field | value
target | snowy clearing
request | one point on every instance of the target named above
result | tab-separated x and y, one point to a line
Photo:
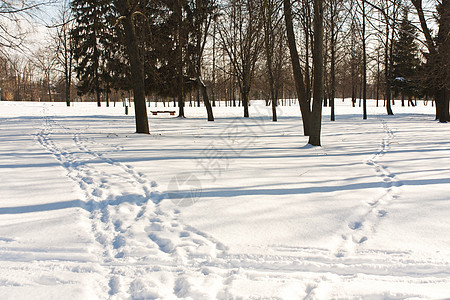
231	209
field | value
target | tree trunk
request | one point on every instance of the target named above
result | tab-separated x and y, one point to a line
387	73
244	95
67	76
97	83
49	89
333	60
442	105
180	94
137	76
298	76
364	62
316	117
307	68
208	106
274	110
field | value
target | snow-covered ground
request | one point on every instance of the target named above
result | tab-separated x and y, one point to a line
231	209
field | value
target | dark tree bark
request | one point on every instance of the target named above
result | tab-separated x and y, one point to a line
333	37
387	74
316	116
137	66
208	106
179	64
213	93
307	29
203	19
298	76
270	22
364	60
64	48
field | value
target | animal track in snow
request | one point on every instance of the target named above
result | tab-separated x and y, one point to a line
366	224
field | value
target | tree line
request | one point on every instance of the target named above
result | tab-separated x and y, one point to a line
238	50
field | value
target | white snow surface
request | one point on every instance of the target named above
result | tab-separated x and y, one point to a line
232	209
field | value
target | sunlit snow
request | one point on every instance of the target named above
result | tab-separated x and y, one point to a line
232	209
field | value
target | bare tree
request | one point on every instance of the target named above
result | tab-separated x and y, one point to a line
335	21
364	64
274	49
16	21
297	71
203	14
242	40
45	60
64	47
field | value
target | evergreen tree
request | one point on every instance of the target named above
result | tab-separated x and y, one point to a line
92	38
405	59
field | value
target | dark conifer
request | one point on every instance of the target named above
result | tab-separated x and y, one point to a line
91	36
405	59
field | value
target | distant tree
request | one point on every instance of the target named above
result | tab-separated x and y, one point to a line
64	47
13	16
241	38
273	46
364	60
303	100
45	60
335	23
203	13
405	59
91	36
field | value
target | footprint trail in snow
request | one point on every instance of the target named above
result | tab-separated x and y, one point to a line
145	251
364	225
133	231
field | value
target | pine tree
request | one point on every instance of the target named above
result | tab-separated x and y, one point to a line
405	59
92	37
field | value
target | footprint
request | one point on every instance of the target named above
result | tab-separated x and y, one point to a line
382	213
164	245
341	253
373	203
114	285
359	241
355	225
97	192
118	225
118	242
88	180
184	234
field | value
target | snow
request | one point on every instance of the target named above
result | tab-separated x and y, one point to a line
232	209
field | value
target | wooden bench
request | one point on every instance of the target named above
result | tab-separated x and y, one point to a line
156	112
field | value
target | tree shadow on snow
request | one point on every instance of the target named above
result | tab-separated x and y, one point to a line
89	206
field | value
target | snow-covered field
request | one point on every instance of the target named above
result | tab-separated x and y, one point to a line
231	209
